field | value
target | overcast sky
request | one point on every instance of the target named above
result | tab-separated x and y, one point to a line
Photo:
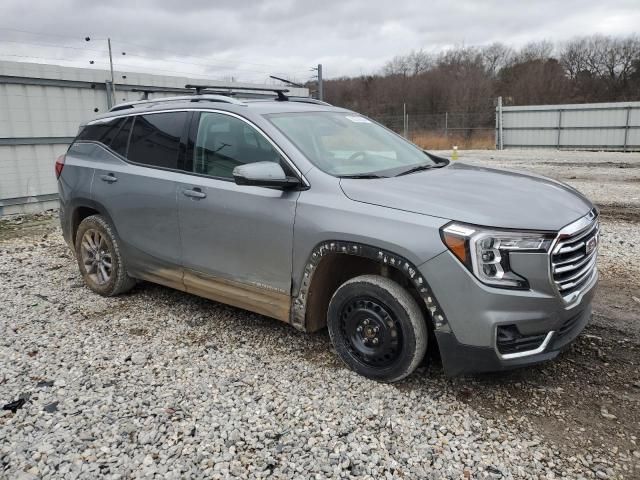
250	40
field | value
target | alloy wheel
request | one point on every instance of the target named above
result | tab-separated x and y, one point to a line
96	257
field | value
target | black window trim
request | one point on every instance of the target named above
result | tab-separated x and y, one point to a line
195	114
126	147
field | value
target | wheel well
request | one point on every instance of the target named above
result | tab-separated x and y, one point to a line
79	215
336	268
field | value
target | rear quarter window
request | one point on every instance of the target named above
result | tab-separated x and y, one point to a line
103	131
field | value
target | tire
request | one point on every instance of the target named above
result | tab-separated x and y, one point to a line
97	247
377	328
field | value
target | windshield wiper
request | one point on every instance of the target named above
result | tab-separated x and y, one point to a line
420	168
362	175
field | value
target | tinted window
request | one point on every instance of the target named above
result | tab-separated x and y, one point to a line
103	132
120	140
155	139
224	142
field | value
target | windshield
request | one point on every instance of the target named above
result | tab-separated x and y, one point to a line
346	144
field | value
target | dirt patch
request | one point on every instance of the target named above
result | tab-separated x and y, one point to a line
590	164
28	225
588	398
626	213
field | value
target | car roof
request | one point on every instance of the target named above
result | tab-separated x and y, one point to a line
219	102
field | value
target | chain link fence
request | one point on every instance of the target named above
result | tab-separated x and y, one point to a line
441	131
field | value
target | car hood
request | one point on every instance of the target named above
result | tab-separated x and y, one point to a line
478	195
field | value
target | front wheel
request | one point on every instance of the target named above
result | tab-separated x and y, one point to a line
377	328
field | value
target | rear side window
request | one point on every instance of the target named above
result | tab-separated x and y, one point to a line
155	139
121	139
103	131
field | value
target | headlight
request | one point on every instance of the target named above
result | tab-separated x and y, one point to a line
485	252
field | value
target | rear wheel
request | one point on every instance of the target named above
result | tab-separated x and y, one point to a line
377	328
99	258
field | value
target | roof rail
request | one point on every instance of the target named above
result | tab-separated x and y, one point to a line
308	100
184	98
280	92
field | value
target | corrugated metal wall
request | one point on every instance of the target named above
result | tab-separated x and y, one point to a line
41	107
589	126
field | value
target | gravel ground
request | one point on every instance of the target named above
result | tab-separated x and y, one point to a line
161	383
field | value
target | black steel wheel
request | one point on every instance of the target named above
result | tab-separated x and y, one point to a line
377	328
371	333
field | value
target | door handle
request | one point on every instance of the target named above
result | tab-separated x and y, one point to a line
110	178
194	193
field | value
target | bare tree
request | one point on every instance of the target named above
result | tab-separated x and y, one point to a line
573	56
419	62
542	50
398	65
467	78
415	63
496	56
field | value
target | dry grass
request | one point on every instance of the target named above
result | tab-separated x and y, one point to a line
437	140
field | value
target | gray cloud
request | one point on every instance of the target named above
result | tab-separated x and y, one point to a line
249	40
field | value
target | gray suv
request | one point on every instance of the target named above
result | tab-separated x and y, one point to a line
320	217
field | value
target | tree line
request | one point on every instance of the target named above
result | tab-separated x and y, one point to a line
469	78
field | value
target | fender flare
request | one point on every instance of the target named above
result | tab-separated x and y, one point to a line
81	202
384	258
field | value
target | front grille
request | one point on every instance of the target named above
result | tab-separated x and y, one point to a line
573	258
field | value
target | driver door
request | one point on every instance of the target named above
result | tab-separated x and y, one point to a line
237	241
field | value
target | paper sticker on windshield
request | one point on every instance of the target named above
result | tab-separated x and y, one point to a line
356	119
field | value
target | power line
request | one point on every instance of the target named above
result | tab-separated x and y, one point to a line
103	52
173	52
60	59
52	45
45	34
153	49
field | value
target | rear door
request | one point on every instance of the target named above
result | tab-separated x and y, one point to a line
237	240
135	182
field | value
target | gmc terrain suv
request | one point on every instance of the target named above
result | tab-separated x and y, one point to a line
318	216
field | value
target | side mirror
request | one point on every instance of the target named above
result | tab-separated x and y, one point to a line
263	174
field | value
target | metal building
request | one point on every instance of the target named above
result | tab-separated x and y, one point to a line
41	107
587	126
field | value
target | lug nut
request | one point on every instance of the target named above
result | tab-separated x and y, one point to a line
375	341
359	329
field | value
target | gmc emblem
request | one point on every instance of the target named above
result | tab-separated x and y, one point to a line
591	244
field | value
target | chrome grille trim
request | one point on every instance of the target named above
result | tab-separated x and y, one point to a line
573	269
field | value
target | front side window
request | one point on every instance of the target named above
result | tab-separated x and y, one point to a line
347	144
223	142
155	139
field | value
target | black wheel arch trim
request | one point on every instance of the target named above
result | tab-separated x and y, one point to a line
82	202
380	255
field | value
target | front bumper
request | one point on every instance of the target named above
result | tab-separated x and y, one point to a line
458	358
472	337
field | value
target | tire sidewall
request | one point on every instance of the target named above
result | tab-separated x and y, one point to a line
398	308
96	223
